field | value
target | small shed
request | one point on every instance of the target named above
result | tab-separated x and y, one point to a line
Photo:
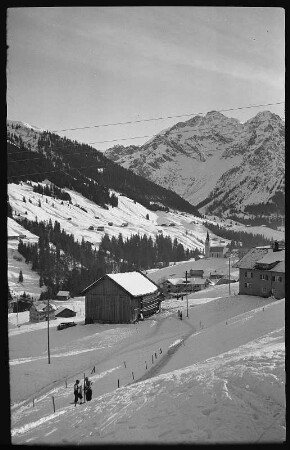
121	298
63	295
65	312
197	273
38	312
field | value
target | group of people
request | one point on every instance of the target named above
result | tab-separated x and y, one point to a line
180	314
79	391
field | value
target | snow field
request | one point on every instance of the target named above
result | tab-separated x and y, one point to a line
226	381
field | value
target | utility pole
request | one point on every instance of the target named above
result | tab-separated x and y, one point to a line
186	294
48	349
229	275
17	308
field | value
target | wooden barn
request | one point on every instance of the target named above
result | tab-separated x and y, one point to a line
65	312
121	298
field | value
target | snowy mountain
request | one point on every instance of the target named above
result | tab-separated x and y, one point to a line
216	162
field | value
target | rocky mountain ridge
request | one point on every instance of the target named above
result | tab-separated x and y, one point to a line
216	162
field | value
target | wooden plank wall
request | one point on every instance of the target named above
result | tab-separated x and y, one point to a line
106	302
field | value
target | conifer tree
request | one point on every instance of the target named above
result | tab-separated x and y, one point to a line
20	278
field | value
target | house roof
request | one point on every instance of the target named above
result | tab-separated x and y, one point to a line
63	293
135	283
175	281
272	257
280	267
261	256
191	280
41	306
63	308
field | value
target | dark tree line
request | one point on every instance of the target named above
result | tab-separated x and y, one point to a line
83	168
52	191
65	264
248	240
141	252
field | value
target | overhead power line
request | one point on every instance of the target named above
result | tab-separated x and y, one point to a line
197	129
164	117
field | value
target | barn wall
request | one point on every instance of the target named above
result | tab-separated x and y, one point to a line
107	302
150	304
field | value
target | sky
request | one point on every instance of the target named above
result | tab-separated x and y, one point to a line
73	67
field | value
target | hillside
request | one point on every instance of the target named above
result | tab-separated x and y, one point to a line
35	155
225	383
216	162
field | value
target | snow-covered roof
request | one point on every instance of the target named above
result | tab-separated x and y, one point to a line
134	282
41	306
280	267
272	257
175	281
63	293
261	256
250	259
63	308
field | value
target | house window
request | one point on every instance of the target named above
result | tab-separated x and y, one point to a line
249	274
248	285
264	277
264	290
276	278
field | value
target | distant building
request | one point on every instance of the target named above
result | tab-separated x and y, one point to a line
65	312
213	251
38	312
63	295
197	273
262	272
121	298
179	285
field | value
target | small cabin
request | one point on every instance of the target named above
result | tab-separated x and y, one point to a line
63	295
121	298
196	273
38	311
65	312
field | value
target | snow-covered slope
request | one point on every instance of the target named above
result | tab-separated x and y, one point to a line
216	158
75	220
225	383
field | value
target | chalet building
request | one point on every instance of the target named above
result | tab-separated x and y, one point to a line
65	312
121	298
179	285
213	251
196	273
63	295
262	272
38	312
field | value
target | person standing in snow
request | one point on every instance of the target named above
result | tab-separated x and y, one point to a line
88	389
76	391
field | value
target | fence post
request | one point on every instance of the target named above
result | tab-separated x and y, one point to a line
155	355
118	382
66	383
53	404
152	359
125	364
133	375
33	402
146	364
